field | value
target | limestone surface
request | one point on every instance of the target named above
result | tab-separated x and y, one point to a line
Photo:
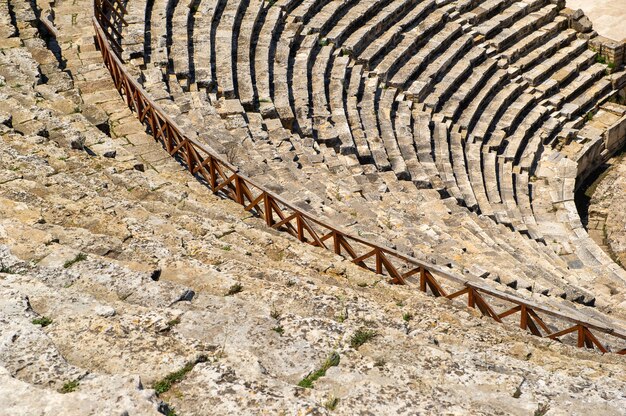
607	16
126	288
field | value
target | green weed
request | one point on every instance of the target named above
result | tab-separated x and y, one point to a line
361	336
70	263
69	387
331	361
168	381
43	321
331	403
234	289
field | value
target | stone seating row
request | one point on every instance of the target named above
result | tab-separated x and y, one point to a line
301	192
357	112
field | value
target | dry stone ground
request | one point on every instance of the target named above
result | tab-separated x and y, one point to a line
139	271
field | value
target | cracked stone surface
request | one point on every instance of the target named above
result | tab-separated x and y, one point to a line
132	270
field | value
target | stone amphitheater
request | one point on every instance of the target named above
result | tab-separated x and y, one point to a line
451	139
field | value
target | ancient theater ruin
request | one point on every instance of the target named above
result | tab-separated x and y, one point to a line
286	207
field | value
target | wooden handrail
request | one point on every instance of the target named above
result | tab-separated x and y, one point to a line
221	177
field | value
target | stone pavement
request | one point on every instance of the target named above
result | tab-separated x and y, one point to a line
608	16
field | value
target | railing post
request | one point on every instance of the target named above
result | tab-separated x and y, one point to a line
188	156
337	242
581	336
300	227
238	189
212	174
165	134
269	220
379	261
524	318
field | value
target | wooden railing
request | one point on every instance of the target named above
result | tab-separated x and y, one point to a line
226	180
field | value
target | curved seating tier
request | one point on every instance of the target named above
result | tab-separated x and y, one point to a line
418	122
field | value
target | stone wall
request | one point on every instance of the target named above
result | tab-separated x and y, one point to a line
601	148
615	136
607	219
612	51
